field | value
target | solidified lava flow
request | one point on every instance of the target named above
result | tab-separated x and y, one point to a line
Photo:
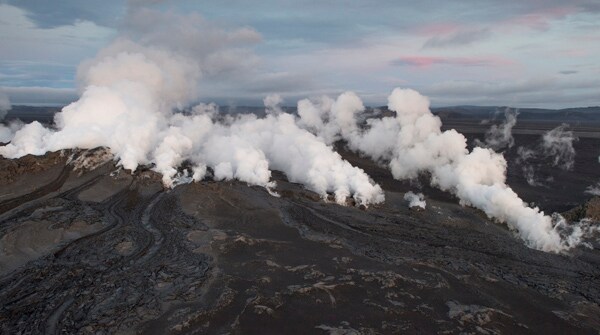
91	248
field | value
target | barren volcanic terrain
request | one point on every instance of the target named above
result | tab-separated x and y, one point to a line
89	248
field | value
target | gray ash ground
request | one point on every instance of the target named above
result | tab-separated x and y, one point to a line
102	251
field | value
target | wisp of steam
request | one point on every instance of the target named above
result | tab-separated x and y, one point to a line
500	136
555	148
132	88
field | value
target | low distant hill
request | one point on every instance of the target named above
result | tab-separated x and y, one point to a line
577	114
29	114
573	115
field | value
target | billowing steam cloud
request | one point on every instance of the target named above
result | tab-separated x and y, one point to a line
500	136
415	200
412	143
132	87
130	91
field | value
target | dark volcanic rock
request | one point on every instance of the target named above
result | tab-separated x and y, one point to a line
10	169
589	210
105	251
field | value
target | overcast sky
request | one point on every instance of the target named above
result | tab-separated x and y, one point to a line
528	53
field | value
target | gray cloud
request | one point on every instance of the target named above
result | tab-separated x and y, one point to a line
459	38
291	28
538	92
50	14
450	88
426	61
19	73
280	82
221	53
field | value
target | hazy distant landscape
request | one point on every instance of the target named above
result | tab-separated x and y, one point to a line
574	116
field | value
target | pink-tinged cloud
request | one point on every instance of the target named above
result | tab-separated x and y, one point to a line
574	53
438	29
429	61
541	19
459	38
449	34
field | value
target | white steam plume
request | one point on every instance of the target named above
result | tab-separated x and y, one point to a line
273	103
500	136
5	134
412	143
132	87
130	90
415	200
593	189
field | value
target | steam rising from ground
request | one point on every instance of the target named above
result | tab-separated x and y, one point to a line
415	200
593	189
500	136
524	158
558	145
412	143
131	89
555	148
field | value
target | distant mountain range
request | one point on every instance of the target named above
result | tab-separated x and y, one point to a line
538	114
577	114
29	114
